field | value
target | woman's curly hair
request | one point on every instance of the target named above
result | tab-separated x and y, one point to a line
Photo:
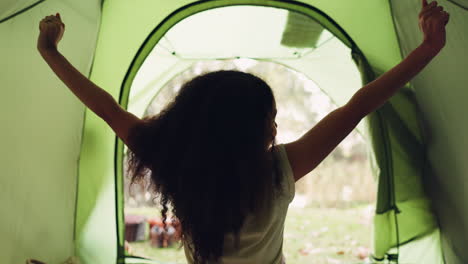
208	159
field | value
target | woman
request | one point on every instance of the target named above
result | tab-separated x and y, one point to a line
211	153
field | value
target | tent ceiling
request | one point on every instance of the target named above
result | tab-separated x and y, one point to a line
258	34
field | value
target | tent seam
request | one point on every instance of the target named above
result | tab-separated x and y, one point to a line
21	11
82	137
458	5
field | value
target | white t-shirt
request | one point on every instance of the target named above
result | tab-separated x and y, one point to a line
261	237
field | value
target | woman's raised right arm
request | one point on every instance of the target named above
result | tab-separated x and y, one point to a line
307	152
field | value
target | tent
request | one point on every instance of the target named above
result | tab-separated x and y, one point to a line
61	181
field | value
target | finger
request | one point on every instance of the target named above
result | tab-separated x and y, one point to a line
440	18
60	19
432	12
431	4
436	11
447	18
424	3
48	18
428	8
444	15
52	17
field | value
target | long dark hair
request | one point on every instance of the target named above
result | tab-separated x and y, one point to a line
208	157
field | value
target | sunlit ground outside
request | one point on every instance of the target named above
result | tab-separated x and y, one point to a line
329	221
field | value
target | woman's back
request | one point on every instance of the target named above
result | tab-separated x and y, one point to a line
261	237
210	156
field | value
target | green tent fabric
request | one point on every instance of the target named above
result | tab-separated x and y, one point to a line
42	127
61	183
441	93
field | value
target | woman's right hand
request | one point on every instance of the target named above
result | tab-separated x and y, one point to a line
432	22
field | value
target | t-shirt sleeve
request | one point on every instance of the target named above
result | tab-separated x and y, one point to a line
288	182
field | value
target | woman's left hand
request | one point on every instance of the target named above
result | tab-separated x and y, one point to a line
51	32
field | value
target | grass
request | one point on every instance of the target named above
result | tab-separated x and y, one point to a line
326	235
312	235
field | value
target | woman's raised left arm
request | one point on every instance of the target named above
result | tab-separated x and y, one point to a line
95	98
